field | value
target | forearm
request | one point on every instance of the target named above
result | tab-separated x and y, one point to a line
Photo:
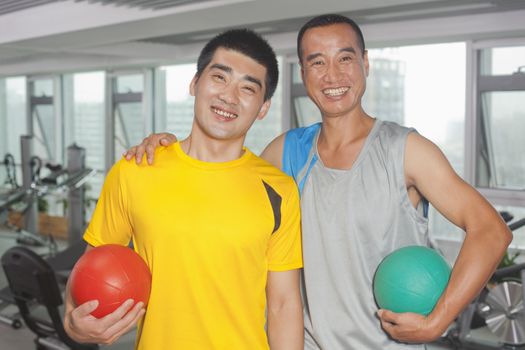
478	258
285	326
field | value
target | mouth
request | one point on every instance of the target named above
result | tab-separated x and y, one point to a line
224	114
336	92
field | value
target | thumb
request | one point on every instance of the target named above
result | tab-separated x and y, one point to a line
387	316
168	140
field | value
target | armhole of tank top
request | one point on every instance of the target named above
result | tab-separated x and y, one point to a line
405	199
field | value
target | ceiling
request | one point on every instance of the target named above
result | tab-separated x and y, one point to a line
41	36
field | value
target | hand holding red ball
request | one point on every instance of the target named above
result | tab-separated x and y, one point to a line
110	274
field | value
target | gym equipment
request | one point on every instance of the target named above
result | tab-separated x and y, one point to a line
61	263
110	274
411	279
496	318
10	169
71	180
25	199
33	281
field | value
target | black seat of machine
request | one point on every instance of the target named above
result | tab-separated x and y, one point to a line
32	280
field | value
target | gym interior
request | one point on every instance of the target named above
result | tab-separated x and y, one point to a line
81	81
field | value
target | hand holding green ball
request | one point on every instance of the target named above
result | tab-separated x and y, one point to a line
411	279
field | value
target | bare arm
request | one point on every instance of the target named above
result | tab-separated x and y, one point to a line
273	153
285	312
85	328
486	240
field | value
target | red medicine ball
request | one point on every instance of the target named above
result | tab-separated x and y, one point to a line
110	274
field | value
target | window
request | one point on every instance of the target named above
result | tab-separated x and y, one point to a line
85	123
45	121
13	121
176	102
131	112
264	131
422	87
501	119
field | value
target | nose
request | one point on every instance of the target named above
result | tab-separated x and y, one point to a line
332	73
229	95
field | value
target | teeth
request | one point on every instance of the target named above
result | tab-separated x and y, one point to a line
224	113
336	92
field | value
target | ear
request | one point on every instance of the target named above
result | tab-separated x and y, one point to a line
302	71
192	85
366	63
264	109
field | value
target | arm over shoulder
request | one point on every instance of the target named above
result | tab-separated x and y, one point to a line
273	153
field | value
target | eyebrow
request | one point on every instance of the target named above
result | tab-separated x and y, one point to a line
230	70
317	54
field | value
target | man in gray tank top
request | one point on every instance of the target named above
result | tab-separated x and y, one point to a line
361	181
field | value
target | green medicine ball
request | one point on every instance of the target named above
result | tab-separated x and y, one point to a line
411	279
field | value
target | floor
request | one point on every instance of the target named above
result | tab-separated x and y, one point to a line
15	339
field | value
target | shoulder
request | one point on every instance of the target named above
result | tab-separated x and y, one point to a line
271	175
288	144
303	134
124	169
394	131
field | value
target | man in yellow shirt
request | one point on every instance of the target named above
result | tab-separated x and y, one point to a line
218	226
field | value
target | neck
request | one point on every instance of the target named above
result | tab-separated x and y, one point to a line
212	150
341	130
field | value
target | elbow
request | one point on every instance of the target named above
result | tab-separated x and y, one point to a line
503	239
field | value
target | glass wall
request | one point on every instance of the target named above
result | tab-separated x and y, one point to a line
84	99
177	101
128	112
421	86
44	119
13	120
501	119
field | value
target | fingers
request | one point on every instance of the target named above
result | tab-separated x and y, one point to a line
127	322
139	153
168	139
150	151
387	316
83	327
130	153
85	309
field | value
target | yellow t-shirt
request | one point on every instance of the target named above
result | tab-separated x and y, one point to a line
209	232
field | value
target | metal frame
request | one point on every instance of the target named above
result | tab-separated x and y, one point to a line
477	84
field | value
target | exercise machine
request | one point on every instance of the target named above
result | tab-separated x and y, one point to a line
25	197
33	281
70	179
496	318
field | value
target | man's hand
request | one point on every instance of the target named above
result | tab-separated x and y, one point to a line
408	327
148	145
85	328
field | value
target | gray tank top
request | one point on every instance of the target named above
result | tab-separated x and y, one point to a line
351	219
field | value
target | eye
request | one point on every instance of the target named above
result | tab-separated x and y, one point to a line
316	63
218	77
346	58
249	90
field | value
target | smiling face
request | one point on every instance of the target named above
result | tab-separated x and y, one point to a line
229	96
334	69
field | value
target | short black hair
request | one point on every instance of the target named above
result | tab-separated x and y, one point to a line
327	20
248	43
